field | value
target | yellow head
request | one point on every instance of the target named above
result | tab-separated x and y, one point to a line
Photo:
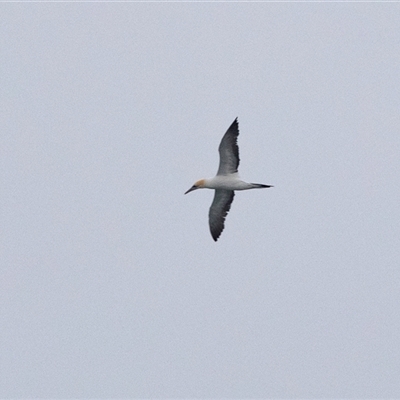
198	185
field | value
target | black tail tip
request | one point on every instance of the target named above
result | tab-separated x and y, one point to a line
261	186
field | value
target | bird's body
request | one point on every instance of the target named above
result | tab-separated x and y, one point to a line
226	181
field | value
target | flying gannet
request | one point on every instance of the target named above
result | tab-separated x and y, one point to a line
225	182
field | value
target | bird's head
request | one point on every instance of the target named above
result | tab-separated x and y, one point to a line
198	185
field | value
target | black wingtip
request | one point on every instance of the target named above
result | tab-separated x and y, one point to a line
214	236
234	123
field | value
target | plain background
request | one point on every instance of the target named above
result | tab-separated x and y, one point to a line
111	285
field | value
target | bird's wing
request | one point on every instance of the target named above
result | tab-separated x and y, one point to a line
218	211
229	151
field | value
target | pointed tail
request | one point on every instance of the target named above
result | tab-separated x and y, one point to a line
260	186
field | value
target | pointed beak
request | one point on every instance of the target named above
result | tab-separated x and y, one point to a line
191	189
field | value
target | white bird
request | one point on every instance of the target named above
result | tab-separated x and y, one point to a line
225	182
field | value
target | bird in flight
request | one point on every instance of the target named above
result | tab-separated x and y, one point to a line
225	182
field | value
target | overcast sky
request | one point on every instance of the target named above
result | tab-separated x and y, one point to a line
111	285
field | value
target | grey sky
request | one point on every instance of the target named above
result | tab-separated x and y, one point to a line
111	285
